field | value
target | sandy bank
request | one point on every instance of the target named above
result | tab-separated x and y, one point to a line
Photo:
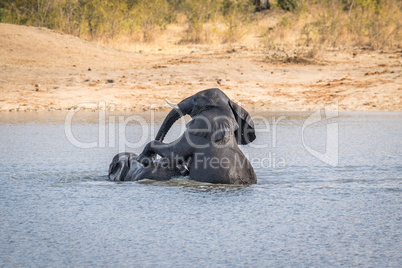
46	70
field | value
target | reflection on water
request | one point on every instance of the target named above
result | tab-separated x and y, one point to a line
58	209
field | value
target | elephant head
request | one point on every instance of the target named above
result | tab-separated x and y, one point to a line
214	116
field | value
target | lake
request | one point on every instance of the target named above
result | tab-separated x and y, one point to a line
329	193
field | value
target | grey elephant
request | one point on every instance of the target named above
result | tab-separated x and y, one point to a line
207	151
125	167
209	146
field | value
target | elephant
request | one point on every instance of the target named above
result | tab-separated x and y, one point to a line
209	148
125	167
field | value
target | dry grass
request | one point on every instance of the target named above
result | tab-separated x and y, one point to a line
161	26
284	36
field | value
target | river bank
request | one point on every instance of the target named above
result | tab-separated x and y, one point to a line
46	70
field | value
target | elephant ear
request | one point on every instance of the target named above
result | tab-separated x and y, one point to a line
224	128
216	130
245	133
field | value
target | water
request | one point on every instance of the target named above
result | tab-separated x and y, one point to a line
58	209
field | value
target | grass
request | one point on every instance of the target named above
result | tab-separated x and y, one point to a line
295	35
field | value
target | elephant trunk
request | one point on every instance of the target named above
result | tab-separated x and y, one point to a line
170	119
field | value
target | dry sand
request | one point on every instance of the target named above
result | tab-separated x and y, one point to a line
43	69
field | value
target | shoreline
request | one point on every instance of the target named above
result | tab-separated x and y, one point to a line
105	117
167	109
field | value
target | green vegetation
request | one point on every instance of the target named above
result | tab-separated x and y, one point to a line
289	4
302	23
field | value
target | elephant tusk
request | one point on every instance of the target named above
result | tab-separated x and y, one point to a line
173	105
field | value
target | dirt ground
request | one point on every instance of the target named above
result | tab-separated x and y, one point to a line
41	69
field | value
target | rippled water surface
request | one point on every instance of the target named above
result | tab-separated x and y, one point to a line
58	209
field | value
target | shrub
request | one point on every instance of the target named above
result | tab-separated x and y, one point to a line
235	14
289	4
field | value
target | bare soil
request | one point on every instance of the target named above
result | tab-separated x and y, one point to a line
41	69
